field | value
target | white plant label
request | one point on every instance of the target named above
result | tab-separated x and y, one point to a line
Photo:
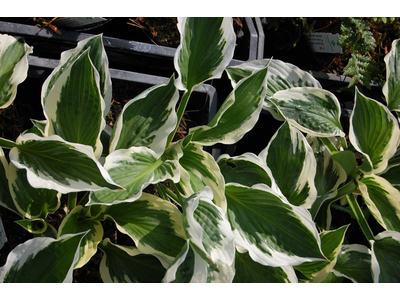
3	238
324	42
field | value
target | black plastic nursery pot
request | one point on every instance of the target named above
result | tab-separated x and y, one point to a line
127	50
131	55
137	61
122	54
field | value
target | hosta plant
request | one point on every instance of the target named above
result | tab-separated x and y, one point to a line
262	217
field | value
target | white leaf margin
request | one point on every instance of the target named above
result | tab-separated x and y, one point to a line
393	196
159	143
278	259
391	61
43	181
25	251
375	269
309	170
259	161
66	55
231	103
201	271
350	248
20	69
228	35
391	147
287	96
225	253
53	98
217	186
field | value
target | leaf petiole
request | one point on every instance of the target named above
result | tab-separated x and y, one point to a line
360	216
181	110
72	197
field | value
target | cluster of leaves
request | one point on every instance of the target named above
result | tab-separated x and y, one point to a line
247	218
360	67
356	38
384	19
364	42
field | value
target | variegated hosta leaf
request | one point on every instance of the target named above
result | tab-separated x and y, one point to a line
346	159
391	173
49	232
275	232
126	264
74	105
207	227
246	169
99	59
311	110
206	48
39	227
182	269
43	260
134	169
331	242
323	216
382	200
35	226
329	176
248	271
53	163
94	212
35	130
40	125
280	76
5	196
391	87
292	164
202	171
154	224
374	132
4	143
354	263
76	222
332	278
190	266
31	202
147	119
385	257
14	66
237	115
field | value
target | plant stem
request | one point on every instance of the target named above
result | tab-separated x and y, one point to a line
343	191
161	190
360	217
172	195
181	110
84	199
72	197
348	188
328	144
177	195
7	144
166	192
343	142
